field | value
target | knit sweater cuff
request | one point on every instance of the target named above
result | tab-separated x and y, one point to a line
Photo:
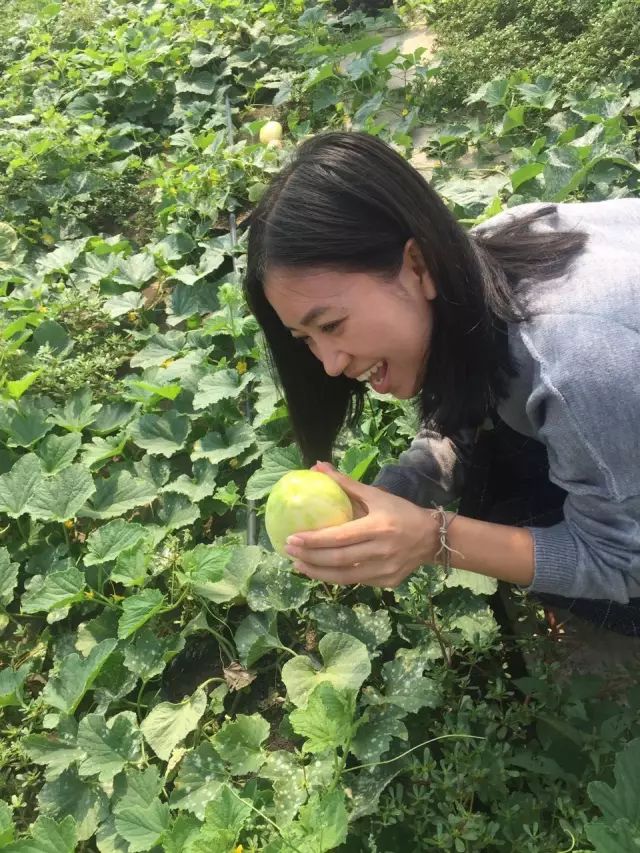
556	560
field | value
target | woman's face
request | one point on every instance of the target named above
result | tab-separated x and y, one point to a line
353	321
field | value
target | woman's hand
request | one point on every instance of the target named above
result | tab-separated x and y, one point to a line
387	540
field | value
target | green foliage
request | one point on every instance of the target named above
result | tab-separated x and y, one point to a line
164	682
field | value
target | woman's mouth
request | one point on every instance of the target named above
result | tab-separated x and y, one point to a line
377	376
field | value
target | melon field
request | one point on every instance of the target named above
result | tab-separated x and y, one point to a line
167	681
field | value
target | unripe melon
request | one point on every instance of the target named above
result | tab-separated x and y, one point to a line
304	500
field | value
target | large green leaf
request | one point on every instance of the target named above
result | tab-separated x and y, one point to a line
61	496
257	635
58	451
53	591
75	675
164	434
239	743
70	795
327	721
19	485
107	746
224	816
274	586
48	836
202	772
8	243
138	609
215	447
117	494
223	385
345	665
8	577
275	464
111	539
168	723
148	654
372	628
77	413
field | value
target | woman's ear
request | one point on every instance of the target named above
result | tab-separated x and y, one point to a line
414	260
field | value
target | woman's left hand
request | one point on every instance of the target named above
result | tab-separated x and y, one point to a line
389	538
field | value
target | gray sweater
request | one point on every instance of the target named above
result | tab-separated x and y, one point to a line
578	392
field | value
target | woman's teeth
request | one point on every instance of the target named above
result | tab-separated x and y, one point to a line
364	377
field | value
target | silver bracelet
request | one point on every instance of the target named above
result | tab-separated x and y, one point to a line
444	545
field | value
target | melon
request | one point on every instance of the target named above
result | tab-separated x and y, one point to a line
304	500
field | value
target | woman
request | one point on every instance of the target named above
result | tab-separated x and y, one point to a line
521	339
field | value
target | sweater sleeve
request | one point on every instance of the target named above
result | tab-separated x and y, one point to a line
585	407
431	470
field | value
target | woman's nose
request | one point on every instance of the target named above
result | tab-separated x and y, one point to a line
334	361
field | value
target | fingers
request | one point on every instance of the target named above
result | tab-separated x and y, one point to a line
354	575
330	557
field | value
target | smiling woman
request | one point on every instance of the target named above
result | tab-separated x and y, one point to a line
529	323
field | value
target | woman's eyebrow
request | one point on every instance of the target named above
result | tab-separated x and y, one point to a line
311	315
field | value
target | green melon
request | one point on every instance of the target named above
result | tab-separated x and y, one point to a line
304	500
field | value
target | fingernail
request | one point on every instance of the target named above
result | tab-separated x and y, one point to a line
296	541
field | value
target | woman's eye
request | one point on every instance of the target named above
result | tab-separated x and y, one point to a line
330	327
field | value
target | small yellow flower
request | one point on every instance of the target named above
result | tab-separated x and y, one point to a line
405	112
42	309
239	849
48	240
167	362
241	367
234	463
89	593
69	523
173	191
132	316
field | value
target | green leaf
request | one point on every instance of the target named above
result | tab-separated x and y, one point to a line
11	684
57	750
525	173
58	451
143	827
327	720
223	385
75	675
6	824
256	635
215	447
148	655
321	825
201	486
60	497
239	743
375	733
8	577
53	591
27	425
357	460
225	816
132	566
405	685
237	569
158	349
372	628
18	387
108	746
168	723
111	539
620	802
175	511
111	417
19	485
102	449
346	666
288	778
136	270
275	463
78	413
477	583
48	836
199	778
8	244
275	586
138	609
118	494
164	434
68	795
122	303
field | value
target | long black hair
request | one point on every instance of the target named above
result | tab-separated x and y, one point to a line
348	202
